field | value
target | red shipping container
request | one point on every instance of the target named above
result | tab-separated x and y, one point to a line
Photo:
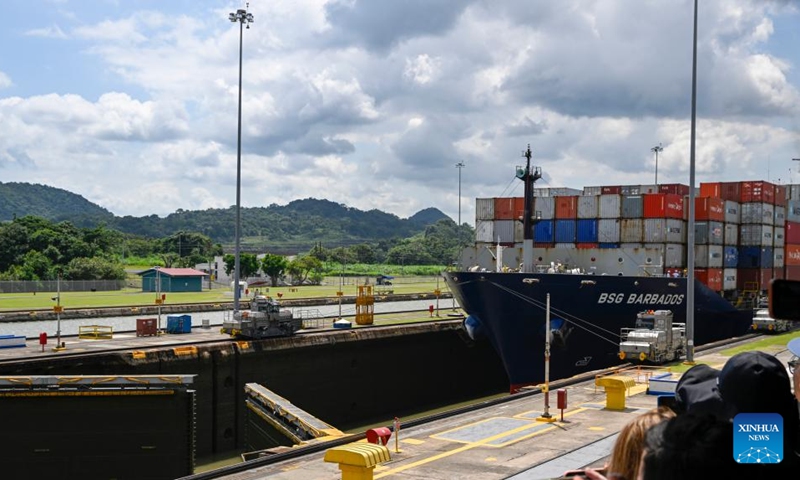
663	205
712	277
713	190
567	207
747	279
777	273
707	208
792	233
674	188
615	190
587	245
730	191
780	195
792	272
791	255
504	208
519	207
757	192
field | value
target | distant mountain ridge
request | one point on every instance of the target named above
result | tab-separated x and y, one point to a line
296	226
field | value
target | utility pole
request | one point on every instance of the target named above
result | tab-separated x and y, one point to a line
459	166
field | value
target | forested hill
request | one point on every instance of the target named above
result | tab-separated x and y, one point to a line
293	227
21	199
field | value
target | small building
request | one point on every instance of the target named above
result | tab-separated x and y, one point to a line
172	280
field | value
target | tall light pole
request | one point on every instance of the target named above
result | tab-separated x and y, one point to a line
459	166
655	150
690	228
243	18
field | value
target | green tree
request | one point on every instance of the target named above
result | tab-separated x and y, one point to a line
301	269
274	266
94	269
248	263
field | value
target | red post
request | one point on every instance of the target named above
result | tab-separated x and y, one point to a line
43	339
430	309
562	400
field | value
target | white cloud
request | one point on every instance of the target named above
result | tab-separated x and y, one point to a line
373	107
5	80
53	31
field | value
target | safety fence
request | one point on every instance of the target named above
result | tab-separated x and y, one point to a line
10	286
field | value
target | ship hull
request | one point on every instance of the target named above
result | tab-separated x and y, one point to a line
587	314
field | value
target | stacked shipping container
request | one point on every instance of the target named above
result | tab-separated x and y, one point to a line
745	233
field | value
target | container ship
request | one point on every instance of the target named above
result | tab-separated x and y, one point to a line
606	253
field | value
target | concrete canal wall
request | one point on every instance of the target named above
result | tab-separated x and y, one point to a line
346	378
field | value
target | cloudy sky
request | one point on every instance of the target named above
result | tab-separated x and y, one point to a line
133	104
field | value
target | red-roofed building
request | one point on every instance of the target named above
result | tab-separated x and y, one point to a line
172	280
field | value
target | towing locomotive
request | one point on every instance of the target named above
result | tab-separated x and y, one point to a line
265	319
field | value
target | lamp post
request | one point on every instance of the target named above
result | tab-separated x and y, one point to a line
243	18
690	229
159	300
58	309
459	166
655	150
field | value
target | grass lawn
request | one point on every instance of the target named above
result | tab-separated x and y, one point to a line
135	297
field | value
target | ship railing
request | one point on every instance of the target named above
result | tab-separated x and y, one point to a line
640	374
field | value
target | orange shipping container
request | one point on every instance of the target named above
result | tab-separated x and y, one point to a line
663	205
504	208
707	208
567	207
519	207
711	190
791	255
712	277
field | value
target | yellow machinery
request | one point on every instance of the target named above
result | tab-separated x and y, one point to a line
365	305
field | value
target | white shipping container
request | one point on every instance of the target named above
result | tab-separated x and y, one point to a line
592	190
519	232
610	206
732	212
779	236
755	235
556	192
708	256
664	230
588	206
484	209
780	216
674	255
631	230
758	213
544	207
729	279
731	235
608	230
631	245
778	261
564	245
648	189
793	211
504	231
484	231
793	192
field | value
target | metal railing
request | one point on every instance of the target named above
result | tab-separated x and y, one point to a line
32	286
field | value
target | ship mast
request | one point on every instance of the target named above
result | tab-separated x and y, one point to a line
528	176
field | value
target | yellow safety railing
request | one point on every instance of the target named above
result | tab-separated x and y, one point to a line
95	332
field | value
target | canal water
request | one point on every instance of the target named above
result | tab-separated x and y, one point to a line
69	327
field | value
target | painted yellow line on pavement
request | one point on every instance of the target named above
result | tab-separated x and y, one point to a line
459	450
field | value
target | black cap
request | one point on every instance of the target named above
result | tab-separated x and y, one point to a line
755	382
696	391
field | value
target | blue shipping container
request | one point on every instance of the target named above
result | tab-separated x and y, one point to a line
608	245
565	231
755	257
587	231
179	324
543	231
730	257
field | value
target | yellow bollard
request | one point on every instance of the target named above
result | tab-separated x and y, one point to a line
616	386
357	461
